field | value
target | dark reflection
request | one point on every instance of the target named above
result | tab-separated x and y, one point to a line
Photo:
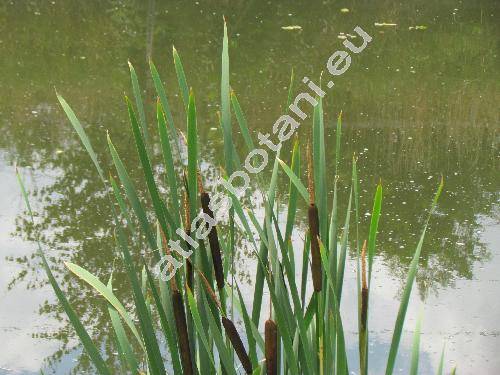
417	104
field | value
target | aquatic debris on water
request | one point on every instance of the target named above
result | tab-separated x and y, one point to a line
418	27
291	27
385	24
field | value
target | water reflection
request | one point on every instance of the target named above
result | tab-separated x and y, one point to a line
418	104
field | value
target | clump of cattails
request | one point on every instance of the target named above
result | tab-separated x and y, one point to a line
271	346
213	238
313	215
364	289
180	321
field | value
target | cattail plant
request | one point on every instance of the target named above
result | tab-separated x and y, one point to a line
313	216
311	336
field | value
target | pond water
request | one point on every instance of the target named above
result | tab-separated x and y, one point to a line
420	102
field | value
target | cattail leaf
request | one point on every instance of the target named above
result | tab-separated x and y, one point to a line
136	90
343	250
82	135
225	104
132	196
165	323
415	351
398	327
295	180
330	345
377	207
263	250
82	333
162	95
244	220
181	78
192	141
169	164
284	330
332	235
250	332
282	321
195	313
277	275
105	292
224	355
441	362
125	348
121	203
297	311
339	330
153	352
338	137
160	209
305	268
292	191
242	122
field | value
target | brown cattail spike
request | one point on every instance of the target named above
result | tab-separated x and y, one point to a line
316	270
364	289
200	182
166	249
213	240
271	347
187	215
238	346
182	332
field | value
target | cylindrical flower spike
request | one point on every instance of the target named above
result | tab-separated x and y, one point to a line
213	240
182	331
235	339
271	347
316	271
